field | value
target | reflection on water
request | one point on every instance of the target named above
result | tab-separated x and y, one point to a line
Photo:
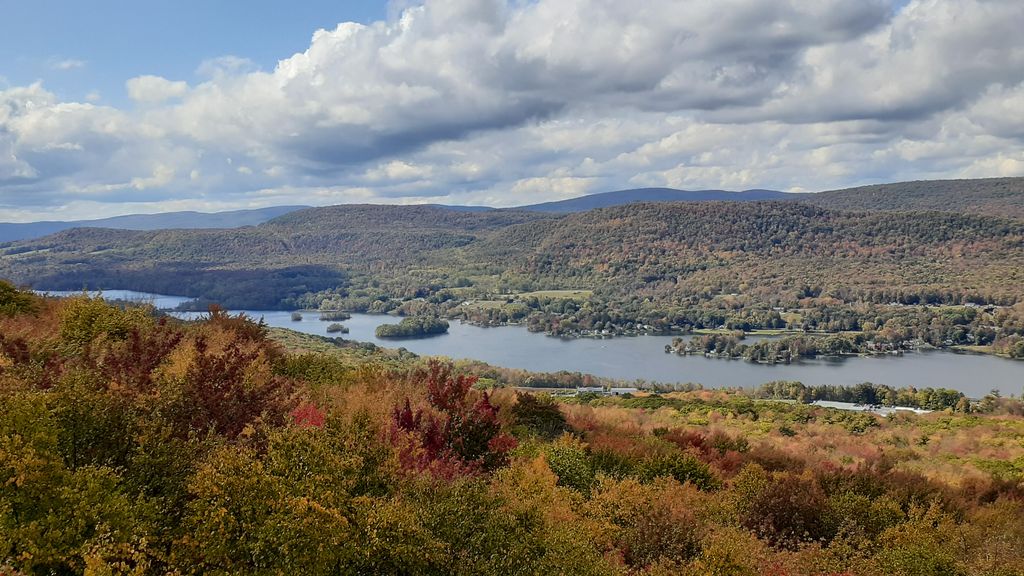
643	357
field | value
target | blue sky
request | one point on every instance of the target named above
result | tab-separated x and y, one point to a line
115	107
78	48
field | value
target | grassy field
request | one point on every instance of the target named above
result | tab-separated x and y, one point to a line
981	350
484	304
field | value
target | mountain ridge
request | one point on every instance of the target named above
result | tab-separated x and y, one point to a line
667	252
634	195
186	220
1001	197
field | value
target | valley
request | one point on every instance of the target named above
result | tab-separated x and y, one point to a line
897	280
512	288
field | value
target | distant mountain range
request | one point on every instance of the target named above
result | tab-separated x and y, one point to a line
10	232
620	197
1002	197
165	221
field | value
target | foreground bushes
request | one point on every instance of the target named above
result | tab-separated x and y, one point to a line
134	445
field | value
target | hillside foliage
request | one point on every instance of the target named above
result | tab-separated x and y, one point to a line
130	443
770	252
1002	197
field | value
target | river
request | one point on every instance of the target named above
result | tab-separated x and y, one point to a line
643	357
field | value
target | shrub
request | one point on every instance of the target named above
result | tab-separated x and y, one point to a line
14	301
52	515
538	414
457	433
664	531
682	467
289	511
783	508
240	325
95	428
83	318
568	459
128	365
226	393
858	518
930	544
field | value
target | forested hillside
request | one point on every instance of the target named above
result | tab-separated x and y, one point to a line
133	444
305	251
771	251
1003	197
658	266
621	197
665	251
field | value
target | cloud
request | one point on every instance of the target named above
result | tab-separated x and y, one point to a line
934	56
506	102
67	64
154	89
398	171
447	69
222	66
161	176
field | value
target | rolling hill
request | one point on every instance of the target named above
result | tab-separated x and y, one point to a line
167	220
664	252
770	251
1003	197
306	250
621	197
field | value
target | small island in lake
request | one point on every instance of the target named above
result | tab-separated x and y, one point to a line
788	348
413	328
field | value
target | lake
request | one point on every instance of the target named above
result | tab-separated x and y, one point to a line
643	357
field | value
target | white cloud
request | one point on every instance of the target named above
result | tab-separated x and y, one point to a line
546	188
218	68
507	102
67	64
396	171
162	176
154	89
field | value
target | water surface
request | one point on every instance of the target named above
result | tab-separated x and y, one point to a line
643	357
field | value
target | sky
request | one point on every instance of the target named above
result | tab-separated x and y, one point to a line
113	107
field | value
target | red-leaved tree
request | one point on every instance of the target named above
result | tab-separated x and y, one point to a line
219	397
129	365
457	433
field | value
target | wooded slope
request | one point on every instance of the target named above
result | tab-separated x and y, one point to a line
663	251
1003	197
